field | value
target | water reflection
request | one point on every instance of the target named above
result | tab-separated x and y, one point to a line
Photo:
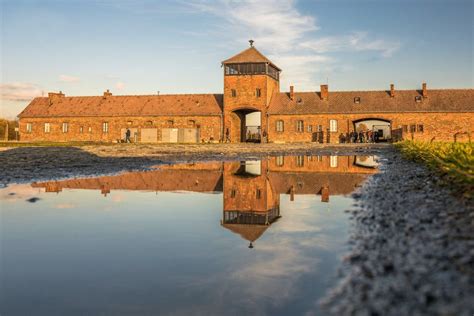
251	189
176	240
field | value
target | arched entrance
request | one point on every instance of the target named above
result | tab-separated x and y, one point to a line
246	126
381	128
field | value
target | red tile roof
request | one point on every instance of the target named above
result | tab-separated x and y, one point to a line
452	100
250	55
133	105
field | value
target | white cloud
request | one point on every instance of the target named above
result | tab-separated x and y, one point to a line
69	79
288	36
19	91
120	85
357	41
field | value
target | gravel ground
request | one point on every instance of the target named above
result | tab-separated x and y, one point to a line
27	164
412	247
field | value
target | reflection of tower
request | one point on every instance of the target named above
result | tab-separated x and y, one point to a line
250	202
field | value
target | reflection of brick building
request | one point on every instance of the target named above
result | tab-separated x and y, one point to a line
251	190
252	108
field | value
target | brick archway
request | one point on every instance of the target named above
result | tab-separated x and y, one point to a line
242	130
382	126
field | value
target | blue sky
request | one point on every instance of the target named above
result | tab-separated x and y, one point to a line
141	47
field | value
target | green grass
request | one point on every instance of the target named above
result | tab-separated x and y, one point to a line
453	161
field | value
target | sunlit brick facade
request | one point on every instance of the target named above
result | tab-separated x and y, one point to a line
252	109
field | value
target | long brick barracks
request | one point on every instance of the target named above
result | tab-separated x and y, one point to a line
252	109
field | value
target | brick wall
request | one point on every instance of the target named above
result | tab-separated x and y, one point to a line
440	126
245	87
92	128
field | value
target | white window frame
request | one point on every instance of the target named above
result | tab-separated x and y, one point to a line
280	126
280	161
333	161
300	161
47	127
29	127
300	129
105	127
65	127
333	125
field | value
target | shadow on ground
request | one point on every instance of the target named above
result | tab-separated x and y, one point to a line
27	164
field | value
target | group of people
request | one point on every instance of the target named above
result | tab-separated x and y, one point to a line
368	136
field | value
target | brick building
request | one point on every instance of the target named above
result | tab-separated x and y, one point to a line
252	108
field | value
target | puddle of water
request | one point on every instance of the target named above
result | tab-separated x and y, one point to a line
255	237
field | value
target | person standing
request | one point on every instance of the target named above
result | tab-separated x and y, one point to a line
127	136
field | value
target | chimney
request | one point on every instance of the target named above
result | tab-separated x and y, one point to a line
59	94
392	90
324	92
53	96
292	92
424	91
325	194
107	94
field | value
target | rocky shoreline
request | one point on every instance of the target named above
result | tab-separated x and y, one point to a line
412	247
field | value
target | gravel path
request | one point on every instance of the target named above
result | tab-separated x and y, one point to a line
412	247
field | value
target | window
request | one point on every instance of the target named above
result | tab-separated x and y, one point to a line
418	98
170	123
279	126
258	92
29	127
357	100
333	125
420	128
251	69
412	128
65	127
129	123
149	123
105	127
90	129
81	129
258	194
309	128
333	161
299	126
299	161
280	161
232	193
192	123
320	128
47	127
233	93
405	128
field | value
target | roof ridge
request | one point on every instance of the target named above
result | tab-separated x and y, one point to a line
398	90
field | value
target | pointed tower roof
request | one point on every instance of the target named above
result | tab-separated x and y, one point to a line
249	55
248	232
